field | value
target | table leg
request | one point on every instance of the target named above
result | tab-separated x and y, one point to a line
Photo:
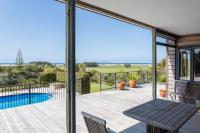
159	130
149	129
152	129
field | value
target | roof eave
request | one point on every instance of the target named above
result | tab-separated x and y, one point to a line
99	10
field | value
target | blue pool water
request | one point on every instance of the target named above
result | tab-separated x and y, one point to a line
22	99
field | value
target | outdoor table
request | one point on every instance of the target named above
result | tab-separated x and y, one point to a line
162	116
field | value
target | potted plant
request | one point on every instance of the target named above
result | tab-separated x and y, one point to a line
163	92
132	80
198	100
121	85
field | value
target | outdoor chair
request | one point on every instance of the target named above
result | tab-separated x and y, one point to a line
179	91
95	124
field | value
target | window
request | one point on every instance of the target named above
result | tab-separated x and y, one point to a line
197	64
184	64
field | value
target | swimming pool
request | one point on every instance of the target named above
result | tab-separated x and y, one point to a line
22	99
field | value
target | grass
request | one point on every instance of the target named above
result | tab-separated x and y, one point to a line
117	69
96	88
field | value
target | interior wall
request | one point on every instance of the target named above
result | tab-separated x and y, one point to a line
189	40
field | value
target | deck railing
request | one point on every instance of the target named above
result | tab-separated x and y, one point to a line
109	80
17	95
56	89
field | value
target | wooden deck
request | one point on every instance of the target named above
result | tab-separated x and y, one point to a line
49	117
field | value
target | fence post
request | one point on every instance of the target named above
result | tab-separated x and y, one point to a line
126	81
115	80
29	93
100	81
81	87
147	76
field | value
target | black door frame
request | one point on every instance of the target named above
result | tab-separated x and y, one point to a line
70	67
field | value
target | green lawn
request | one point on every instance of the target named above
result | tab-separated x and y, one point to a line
96	88
117	69
113	69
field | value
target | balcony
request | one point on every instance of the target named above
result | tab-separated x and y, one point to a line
49	116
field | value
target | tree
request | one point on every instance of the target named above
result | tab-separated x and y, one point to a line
41	63
162	64
91	64
47	77
127	65
19	58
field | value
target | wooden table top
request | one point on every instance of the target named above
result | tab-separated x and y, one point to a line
163	114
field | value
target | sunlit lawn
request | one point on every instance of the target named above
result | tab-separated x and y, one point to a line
95	87
118	69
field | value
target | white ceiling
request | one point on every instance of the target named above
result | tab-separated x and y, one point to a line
180	17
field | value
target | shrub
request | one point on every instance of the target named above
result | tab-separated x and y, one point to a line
109	83
94	75
47	77
162	78
41	63
107	77
85	84
91	64
142	76
127	65
11	81
132	77
121	76
60	76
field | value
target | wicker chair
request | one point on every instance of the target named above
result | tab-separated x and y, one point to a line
95	124
179	91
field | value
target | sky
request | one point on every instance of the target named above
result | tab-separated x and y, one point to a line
37	27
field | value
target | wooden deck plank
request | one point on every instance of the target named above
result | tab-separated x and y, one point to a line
49	116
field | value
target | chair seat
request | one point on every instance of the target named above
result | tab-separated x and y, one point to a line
179	91
95	124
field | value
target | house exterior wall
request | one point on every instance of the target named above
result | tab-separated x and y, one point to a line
170	69
193	88
189	40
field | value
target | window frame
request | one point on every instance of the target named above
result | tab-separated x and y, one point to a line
196	47
179	63
191	48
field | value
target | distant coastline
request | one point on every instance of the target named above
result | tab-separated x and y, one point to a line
82	62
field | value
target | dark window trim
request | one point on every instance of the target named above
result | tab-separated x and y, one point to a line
196	47
165	44
179	65
192	64
191	48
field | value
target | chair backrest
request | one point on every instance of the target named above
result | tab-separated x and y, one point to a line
94	124
180	86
